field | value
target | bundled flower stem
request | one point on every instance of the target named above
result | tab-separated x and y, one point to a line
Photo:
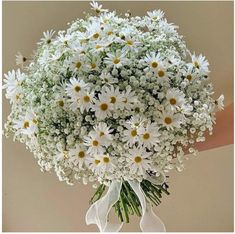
128	203
110	99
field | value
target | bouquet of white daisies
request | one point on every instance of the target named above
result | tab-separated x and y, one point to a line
115	101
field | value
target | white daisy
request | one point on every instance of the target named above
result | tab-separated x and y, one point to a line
76	63
106	77
109	30
94	31
130	135
60	99
129	98
78	156
83	101
61	155
161	74
75	87
94	164
117	59
20	59
47	39
26	124
102	107
149	135
98	47
153	60
94	143
200	63
130	43
114	96
13	83
155	15
175	99
220	102
97	8
106	163
189	72
104	132
137	121
170	120
107	18
93	63
138	160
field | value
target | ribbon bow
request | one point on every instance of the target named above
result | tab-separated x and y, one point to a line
98	212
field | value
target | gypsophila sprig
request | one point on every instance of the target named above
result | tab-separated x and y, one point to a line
112	99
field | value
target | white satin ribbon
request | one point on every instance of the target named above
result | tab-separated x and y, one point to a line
149	221
98	212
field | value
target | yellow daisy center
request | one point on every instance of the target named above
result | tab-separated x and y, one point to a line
196	64
81	154
86	98
189	77
154	64
116	61
168	120
110	33
134	133
93	65
161	73
77	88
78	65
26	124
61	103
103	106
146	136
96	35
35	121
101	134
97	161
130	42
95	143
98	46
106	159
138	159
113	99
172	101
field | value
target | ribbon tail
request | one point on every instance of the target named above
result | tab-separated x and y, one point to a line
98	212
149	222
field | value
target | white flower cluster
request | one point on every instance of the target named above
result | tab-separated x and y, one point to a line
111	98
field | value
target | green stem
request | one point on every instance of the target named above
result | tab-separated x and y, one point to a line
124	206
162	189
131	200
118	211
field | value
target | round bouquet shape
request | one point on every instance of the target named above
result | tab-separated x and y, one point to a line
114	101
